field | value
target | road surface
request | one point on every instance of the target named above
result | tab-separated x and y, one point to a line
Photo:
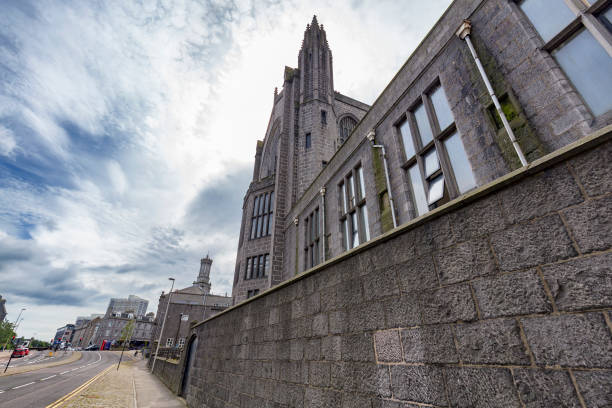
42	387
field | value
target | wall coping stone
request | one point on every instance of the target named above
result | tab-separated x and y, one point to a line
573	149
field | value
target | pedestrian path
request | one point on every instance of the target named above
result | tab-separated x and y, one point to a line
132	386
150	391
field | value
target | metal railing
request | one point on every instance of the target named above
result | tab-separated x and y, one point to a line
171	353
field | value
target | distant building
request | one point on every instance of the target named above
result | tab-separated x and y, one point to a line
133	304
64	334
84	333
82	320
2	309
188	306
110	329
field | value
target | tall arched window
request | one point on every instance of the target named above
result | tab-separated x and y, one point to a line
346	126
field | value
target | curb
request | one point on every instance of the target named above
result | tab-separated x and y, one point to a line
20	370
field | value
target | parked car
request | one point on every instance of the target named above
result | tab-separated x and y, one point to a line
91	347
21	351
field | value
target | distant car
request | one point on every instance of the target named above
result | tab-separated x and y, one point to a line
21	351
91	347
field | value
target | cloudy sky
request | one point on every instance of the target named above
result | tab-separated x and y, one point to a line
128	128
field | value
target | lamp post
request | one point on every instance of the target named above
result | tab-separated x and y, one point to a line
163	324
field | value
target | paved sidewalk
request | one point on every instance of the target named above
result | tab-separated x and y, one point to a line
151	392
133	386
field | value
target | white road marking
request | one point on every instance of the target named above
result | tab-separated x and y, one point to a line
1	392
30	383
65	372
54	375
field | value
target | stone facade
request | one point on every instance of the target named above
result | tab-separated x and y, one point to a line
545	111
188	306
110	329
494	293
498	299
303	134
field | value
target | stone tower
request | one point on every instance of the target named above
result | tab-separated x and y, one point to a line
317	136
301	137
203	280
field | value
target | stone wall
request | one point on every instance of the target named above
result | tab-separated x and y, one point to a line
500	298
169	372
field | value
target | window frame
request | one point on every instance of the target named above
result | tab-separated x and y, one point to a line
439	136
312	239
262	215
587	17
350	207
257	266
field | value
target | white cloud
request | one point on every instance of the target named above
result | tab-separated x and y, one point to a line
7	141
129	130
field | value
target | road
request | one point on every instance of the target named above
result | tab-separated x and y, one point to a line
35	357
42	387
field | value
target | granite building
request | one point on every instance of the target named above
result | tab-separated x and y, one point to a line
453	250
322	187
188	306
131	304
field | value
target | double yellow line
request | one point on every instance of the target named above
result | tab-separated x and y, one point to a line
66	397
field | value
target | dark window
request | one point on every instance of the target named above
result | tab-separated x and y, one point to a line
312	239
257	266
437	165
308	141
345	127
577	37
251	293
354	224
324	117
261	218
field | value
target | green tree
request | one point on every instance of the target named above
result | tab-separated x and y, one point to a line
6	333
39	343
126	332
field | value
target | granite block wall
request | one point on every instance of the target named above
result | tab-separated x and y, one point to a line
169	372
501	298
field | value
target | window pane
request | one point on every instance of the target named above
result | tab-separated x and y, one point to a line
423	124
264	228
344	227
316	223
255	205
432	164
418	190
260	268
443	111
344	198
261	204
548	17
249	268
258	232
267	206
268	226
364	217
460	163
436	189
407	139
267	262
253	227
589	67
272	201
351	187
355	231
361	183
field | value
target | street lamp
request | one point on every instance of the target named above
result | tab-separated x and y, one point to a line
163	324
